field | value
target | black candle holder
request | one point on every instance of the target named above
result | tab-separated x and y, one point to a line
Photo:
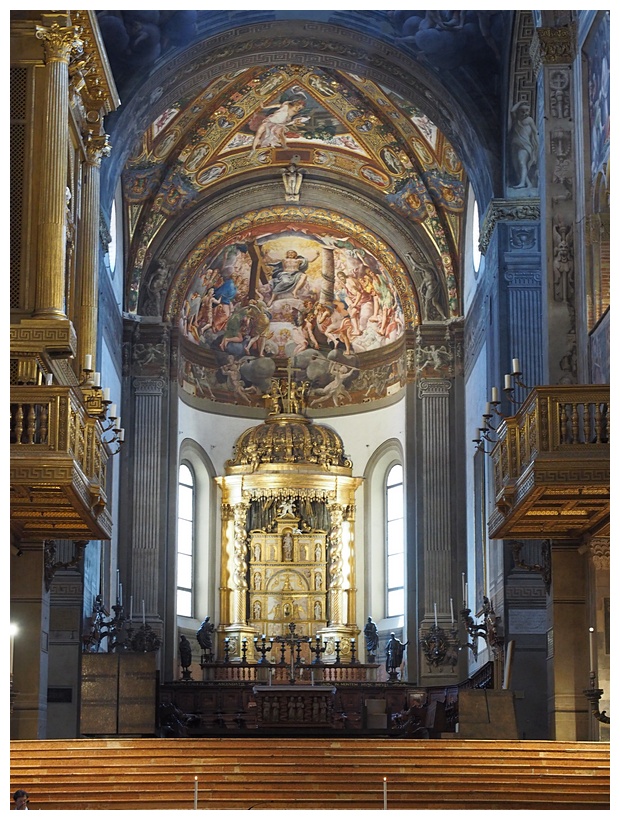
439	647
226	650
354	659
263	648
594	695
244	652
282	652
318	650
337	662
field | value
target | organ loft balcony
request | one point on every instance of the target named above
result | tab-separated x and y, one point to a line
59	455
551	465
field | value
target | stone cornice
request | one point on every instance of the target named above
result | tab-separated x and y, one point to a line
507	210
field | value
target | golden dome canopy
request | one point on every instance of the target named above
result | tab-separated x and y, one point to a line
288	441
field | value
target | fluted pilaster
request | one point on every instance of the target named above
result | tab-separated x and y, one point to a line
147	502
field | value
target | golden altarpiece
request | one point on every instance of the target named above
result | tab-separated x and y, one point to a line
288	544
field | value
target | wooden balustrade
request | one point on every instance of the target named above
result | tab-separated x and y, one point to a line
551	464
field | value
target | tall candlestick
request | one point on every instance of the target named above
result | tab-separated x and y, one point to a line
435	610
385	793
516	366
494	394
118	585
88	362
195	791
463	585
120	594
130	607
451	612
591	630
466	594
143	614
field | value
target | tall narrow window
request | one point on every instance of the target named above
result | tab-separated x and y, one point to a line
185	542
395	542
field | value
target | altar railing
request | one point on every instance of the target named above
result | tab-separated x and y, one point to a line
281	673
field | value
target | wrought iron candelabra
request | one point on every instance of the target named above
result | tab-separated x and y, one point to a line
263	648
488	629
593	694
120	633
439	646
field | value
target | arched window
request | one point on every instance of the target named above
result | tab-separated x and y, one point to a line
185	542
395	542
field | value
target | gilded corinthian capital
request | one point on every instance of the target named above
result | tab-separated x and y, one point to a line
59	42
96	148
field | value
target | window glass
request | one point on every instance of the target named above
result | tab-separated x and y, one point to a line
395	542
185	541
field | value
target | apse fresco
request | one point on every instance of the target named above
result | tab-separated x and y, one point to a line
290	291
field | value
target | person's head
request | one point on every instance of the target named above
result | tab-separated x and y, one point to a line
21	799
291	254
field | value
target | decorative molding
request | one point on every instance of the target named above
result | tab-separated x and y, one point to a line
428	388
59	42
600	553
507	210
553	46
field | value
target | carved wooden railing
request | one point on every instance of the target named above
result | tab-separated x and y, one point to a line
280	673
559	438
58	462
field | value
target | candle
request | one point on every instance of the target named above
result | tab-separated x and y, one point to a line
49	378
88	362
106	394
591	630
96	379
117	423
466	594
121	435
451	612
143	614
435	609
516	367
507	382
494	394
196	791
120	594
130	607
385	793
112	411
12	634
487	411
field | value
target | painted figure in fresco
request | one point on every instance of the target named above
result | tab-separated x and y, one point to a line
225	293
335	390
258	325
340	328
288	274
204	319
523	138
234	382
271	132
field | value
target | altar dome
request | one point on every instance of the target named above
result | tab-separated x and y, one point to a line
289	442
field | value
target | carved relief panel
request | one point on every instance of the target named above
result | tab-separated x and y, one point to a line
287	579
